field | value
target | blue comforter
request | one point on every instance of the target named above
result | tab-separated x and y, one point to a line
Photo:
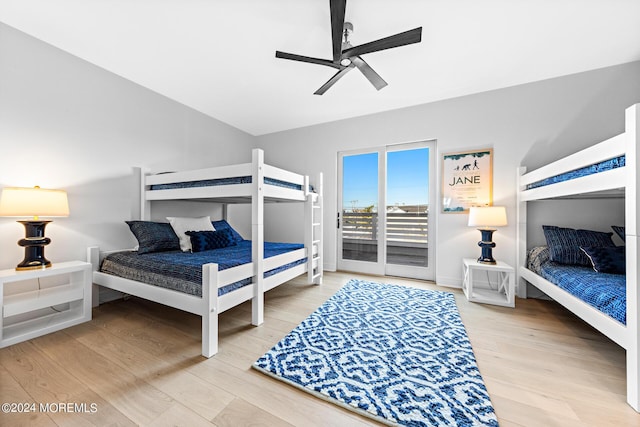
603	291
182	271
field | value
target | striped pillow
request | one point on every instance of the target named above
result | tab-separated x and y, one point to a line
154	236
619	230
564	244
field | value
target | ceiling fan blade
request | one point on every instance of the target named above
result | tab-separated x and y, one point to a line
400	39
308	59
337	76
337	24
368	72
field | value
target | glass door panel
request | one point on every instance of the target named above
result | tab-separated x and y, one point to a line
359	210
407	207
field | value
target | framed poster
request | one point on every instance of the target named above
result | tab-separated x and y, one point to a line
467	180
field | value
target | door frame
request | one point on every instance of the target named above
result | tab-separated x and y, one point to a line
381	267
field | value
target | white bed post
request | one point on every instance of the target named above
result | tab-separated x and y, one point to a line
93	257
257	236
308	228
145	205
632	225
521	236
209	309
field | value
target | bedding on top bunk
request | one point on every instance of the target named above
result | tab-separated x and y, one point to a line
603	166
225	181
182	271
604	291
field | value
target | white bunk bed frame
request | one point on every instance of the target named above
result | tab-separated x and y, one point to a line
257	193
604	183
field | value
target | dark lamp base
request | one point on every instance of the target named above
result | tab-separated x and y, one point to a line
34	243
487	245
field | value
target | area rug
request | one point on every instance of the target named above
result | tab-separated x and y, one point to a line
396	354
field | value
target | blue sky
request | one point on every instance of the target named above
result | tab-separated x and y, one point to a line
407	178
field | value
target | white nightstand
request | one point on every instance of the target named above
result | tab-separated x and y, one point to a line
500	293
53	298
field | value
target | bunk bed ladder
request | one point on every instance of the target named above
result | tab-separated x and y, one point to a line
313	231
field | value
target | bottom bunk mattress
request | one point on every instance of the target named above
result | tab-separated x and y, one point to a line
182	271
603	291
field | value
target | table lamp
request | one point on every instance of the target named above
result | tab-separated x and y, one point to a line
33	202
485	218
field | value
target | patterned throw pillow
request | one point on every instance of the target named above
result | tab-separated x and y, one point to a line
607	260
154	236
537	257
564	244
224	225
207	240
619	230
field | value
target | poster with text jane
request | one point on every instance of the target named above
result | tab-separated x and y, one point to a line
466	180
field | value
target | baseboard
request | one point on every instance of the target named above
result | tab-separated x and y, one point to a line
449	282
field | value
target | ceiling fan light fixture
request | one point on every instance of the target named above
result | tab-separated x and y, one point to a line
345	62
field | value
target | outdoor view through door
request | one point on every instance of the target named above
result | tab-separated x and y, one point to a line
384	215
407	206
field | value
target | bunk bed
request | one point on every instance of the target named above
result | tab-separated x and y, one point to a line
607	169
225	284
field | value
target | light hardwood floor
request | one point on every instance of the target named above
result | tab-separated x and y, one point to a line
140	364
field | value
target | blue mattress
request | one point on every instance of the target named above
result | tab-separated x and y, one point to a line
224	181
182	271
606	165
603	291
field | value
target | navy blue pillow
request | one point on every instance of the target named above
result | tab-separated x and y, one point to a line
224	225
619	230
154	236
564	244
206	240
607	260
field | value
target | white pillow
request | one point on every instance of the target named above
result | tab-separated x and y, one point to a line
181	225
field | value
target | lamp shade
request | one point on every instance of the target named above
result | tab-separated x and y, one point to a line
34	202
488	216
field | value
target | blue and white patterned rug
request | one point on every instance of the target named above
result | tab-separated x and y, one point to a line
399	355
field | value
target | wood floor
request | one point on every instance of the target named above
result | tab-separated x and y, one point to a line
139	363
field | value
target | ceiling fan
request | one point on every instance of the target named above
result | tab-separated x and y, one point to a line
345	56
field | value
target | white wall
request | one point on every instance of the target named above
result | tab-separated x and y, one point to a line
67	124
525	125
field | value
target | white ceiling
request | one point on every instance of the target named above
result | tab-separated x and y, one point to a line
218	56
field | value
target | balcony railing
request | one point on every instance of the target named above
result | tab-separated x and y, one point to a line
407	237
401	227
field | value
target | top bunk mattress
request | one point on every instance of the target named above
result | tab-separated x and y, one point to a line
606	165
224	181
182	271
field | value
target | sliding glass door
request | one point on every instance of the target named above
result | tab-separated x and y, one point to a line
383	221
